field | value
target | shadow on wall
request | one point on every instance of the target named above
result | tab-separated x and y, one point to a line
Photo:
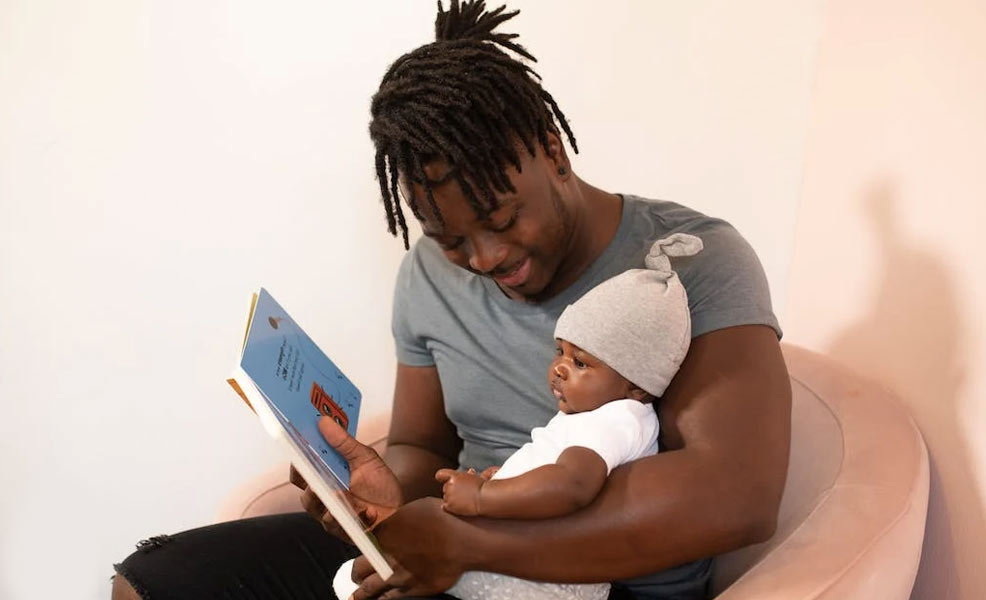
911	339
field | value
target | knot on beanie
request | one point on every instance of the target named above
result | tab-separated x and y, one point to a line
638	321
678	244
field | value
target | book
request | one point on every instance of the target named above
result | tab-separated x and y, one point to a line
289	383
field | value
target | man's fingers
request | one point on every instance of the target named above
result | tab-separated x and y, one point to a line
312	505
361	569
444	475
350	449
371	587
369	516
394	594
296	479
331	526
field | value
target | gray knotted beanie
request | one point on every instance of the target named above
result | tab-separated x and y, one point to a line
638	321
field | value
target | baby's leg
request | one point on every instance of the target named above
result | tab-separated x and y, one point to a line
478	585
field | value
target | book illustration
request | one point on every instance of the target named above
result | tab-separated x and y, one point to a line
325	405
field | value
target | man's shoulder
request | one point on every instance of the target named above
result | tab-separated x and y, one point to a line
671	217
656	219
725	282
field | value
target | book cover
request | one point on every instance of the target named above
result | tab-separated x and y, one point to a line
299	381
290	384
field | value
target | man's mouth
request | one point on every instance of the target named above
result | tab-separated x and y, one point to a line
516	276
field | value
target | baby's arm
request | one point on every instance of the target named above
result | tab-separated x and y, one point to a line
572	482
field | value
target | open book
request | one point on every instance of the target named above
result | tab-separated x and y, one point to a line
290	383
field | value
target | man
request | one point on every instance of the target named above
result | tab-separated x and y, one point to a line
469	138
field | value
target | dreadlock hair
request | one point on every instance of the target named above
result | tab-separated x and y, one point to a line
462	100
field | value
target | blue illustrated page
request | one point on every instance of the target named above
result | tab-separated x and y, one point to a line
300	383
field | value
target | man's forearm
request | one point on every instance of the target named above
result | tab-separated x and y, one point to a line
653	514
415	468
636	526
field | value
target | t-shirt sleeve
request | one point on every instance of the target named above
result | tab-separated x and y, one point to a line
726	283
615	432
410	345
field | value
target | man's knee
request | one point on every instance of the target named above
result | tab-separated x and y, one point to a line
122	590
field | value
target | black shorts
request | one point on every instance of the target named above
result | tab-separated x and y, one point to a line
285	556
279	556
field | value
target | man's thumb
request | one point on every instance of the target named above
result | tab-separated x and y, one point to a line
339	438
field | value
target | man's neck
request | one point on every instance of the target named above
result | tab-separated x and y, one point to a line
596	215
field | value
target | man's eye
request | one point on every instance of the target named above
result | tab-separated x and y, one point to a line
506	225
450	245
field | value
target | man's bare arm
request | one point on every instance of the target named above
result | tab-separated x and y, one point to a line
726	426
421	440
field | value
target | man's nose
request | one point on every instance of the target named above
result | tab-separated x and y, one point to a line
487	252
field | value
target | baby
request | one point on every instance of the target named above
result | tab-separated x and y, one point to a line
617	348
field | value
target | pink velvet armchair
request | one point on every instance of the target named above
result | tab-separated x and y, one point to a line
852	518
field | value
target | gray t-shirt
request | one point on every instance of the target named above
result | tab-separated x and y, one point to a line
493	353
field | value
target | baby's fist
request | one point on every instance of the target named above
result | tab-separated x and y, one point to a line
460	491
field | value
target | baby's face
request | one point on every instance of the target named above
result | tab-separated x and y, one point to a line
582	382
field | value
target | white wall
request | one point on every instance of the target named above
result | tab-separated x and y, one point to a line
161	160
888	273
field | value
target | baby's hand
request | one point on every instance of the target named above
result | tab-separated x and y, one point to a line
489	472
461	491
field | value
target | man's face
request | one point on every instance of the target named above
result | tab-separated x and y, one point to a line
521	244
581	382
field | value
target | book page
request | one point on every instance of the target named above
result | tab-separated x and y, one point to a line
299	381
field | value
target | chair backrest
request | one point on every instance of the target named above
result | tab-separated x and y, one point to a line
852	516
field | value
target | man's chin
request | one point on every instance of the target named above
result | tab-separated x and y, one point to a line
537	284
526	292
530	290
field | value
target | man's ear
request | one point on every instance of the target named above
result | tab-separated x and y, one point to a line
557	157
636	393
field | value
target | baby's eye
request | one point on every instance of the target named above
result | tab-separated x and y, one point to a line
557	350
579	363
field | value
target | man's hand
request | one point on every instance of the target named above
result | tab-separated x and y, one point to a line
424	546
373	489
460	491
